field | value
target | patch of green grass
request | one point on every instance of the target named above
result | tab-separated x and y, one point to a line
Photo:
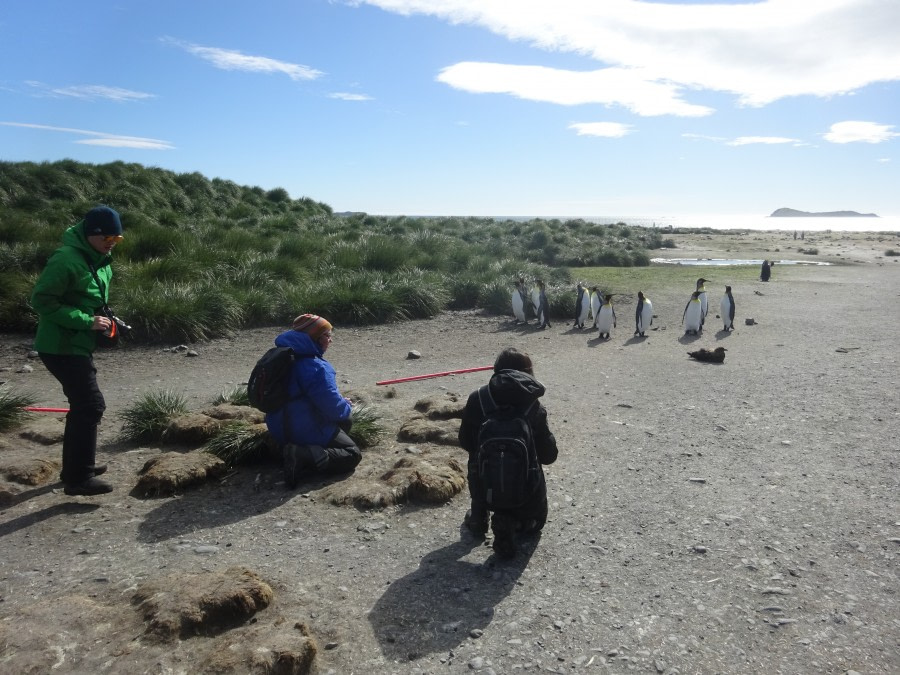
630	280
238	443
367	429
233	396
145	420
12	409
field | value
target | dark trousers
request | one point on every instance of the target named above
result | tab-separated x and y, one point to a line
339	456
78	378
529	518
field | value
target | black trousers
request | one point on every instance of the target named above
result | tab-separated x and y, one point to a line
78	378
530	517
339	456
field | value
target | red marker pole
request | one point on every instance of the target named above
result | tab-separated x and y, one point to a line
32	408
429	376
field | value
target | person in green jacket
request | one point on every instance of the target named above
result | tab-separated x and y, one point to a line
68	298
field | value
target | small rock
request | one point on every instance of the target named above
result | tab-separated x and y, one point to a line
696	480
476	633
750	322
32	354
25	369
413	354
206	550
192	352
331	645
477	663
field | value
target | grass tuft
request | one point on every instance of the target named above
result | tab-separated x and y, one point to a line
238	443
12	409
233	396
146	420
367	429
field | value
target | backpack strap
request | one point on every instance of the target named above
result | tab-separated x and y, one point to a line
486	399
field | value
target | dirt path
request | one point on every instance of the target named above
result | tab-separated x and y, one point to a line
728	518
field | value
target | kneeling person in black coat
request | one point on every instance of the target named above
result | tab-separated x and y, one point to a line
512	385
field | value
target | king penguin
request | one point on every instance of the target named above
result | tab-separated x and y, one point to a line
518	301
536	298
582	305
692	319
596	301
726	309
543	306
606	319
643	315
704	301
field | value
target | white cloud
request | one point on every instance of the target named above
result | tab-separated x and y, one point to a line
343	96
603	129
860	132
228	59
100	137
608	86
98	91
763	140
758	51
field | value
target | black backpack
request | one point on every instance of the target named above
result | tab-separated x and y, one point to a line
267	387
507	460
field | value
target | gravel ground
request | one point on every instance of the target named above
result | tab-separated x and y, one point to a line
704	518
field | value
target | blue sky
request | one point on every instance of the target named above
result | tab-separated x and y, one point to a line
473	107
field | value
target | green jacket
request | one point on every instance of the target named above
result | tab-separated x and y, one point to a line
66	297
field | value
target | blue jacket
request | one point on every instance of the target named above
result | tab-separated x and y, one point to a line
316	405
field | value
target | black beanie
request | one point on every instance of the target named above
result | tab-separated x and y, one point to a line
102	220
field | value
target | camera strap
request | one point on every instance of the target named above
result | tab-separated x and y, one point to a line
104	296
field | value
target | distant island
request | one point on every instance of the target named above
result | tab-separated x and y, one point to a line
794	213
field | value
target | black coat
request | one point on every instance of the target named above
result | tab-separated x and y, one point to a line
517	389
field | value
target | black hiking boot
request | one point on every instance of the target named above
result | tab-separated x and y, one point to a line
297	464
477	524
504	528
88	488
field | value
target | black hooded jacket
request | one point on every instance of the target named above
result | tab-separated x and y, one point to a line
518	389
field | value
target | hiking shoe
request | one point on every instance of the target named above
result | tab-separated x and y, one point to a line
504	529
90	487
477	525
297	463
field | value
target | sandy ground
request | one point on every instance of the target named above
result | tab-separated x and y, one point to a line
733	518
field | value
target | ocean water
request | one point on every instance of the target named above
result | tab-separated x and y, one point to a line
758	222
745	222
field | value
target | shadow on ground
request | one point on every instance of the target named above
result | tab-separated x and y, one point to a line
435	608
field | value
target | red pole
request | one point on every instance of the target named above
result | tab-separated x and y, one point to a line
31	408
446	372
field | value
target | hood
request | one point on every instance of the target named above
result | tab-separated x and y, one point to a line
513	387
74	237
299	341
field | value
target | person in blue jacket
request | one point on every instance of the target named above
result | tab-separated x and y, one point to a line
313	426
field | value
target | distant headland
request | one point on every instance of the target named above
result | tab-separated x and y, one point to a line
794	213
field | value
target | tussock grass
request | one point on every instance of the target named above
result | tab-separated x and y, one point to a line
12	408
367	428
238	443
233	396
146	419
203	257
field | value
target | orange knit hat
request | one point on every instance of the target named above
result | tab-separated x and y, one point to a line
312	324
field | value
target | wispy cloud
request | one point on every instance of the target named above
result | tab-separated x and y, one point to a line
343	96
763	140
859	132
658	54
229	59
565	87
92	92
100	137
603	129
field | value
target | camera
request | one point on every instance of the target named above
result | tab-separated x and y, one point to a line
122	327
